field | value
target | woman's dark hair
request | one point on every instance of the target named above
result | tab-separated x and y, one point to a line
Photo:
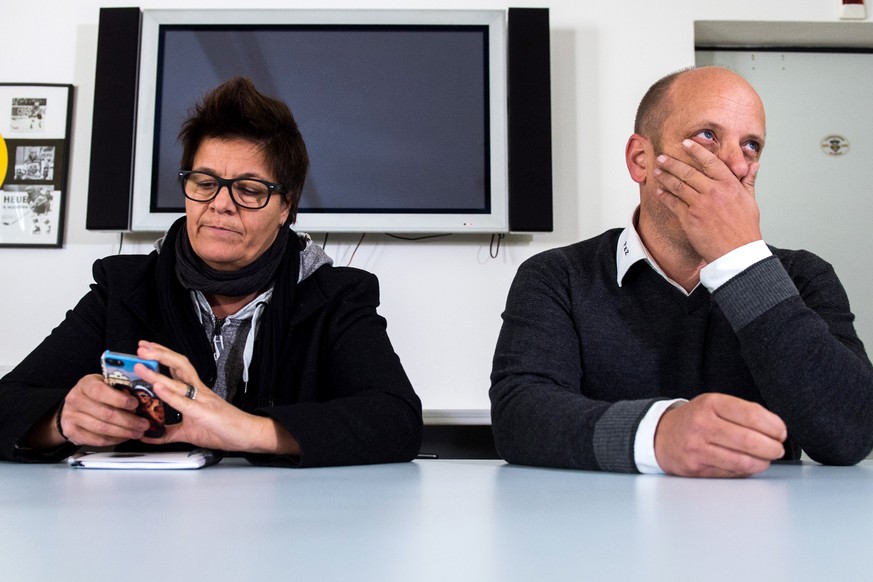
235	109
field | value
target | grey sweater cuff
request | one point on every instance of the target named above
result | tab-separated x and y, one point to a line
754	291
614	435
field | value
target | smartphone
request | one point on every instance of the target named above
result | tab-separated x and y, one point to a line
119	373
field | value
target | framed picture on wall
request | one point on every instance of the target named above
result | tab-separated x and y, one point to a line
35	124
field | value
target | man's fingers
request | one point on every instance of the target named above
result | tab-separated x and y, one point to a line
710	433
708	167
748	180
682	179
750	415
718	435
709	164
746	441
726	463
675	178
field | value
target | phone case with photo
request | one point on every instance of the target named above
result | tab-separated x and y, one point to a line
119	373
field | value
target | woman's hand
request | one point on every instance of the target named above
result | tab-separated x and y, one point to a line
208	421
97	414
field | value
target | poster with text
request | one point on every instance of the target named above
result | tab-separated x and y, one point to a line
35	122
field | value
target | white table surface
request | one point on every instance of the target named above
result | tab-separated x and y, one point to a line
432	520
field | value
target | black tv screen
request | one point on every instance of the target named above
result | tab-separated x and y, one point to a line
403	112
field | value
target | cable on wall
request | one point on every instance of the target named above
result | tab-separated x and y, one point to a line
357	246
494	249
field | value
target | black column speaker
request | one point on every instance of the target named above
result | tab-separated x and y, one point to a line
110	182
530	120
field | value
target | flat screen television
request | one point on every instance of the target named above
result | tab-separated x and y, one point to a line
404	112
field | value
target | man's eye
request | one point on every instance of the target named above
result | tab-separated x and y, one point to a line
754	146
707	134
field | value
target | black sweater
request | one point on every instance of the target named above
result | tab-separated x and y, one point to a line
580	360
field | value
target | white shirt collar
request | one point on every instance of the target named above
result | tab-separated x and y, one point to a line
631	249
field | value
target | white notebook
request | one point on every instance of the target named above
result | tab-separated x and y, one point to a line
153	460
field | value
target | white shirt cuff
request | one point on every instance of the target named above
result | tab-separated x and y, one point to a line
726	267
644	441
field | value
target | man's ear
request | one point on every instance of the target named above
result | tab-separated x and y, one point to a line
635	157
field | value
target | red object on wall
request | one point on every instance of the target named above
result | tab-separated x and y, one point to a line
851	10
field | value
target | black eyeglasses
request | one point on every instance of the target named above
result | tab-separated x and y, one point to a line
248	193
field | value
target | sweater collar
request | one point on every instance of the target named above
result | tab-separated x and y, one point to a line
631	250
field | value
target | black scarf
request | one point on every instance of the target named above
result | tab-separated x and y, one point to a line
186	334
193	273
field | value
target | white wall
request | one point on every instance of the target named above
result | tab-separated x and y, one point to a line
442	298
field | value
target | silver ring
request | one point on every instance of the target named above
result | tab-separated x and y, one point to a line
191	394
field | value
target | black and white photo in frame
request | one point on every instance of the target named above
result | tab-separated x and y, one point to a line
35	122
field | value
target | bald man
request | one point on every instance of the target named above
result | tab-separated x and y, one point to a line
683	343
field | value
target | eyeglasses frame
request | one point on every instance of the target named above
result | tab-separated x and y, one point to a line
228	183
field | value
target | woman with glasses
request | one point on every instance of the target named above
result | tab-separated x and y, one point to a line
265	348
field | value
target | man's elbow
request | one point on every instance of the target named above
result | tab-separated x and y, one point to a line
843	453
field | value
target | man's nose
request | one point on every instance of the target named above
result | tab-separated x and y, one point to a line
735	159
